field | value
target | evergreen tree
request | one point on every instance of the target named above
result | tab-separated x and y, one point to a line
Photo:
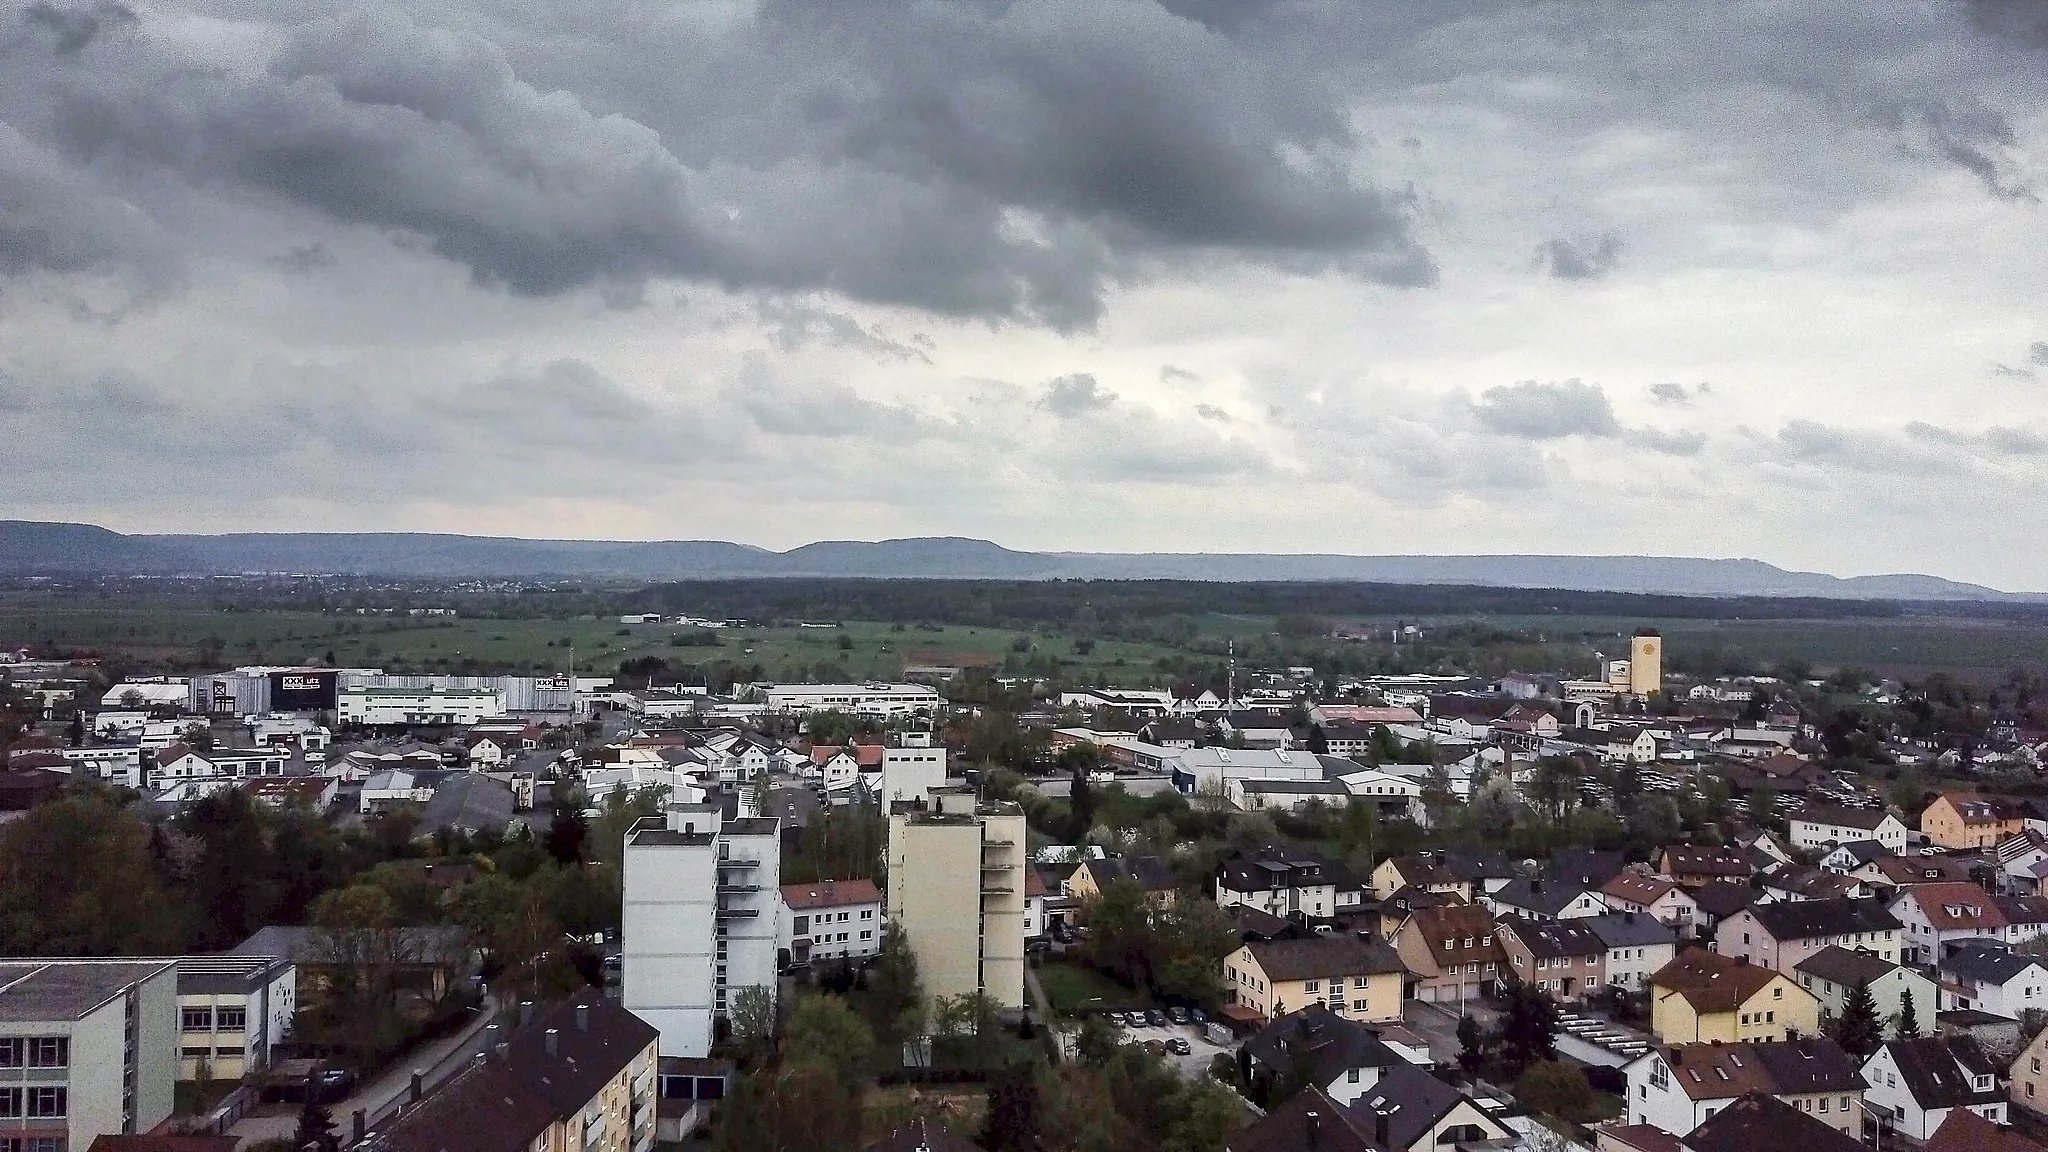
1528	1029
1471	1044
567	835
316	1130
1858	1030
1012	1122
1907	1026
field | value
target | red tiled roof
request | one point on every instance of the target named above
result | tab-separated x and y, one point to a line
830	894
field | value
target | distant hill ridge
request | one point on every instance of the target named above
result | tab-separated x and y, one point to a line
29	547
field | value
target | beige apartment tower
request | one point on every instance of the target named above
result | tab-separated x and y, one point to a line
956	887
1645	663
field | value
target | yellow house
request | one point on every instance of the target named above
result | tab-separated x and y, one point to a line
1704	996
1968	820
1357	977
1148	872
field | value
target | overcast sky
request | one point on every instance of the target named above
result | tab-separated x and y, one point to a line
1730	279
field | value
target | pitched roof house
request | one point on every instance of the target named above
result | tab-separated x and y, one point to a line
1679	1087
1754	1122
1658	896
1342	1057
1971	820
1451	952
1694	865
1358	977
1780	935
1916	1083
1703	996
1563	957
1936	914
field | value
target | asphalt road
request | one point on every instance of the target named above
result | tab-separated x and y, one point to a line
1201	1053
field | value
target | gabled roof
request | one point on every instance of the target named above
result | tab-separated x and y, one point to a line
1972	808
1940	1072
1807	919
1711	982
1452	866
830	894
1862	851
1850	968
1150	872
1637	888
1716	1071
1705	860
1915	870
1549	897
1836	816
1550	939
1590	867
1456	934
1756	1122
1327	1043
1722	898
484	1107
1965	1131
1315	957
1412	1101
594	1038
1274	867
1953	906
1307	1119
1629	929
1987	962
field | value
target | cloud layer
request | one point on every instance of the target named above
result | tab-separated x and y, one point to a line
1166	274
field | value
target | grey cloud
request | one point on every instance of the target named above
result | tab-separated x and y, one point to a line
304	259
1998	440
1967	133
1682	443
1547	411
1168	374
1584	258
1008	161
75	28
1075	395
1670	392
797	326
2038	352
1212	412
53	218
2023	20
825	410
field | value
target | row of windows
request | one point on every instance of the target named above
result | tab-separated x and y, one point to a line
35	1051
829	938
1336	984
215	1019
1761	1017
31	1144
202	1052
43	1102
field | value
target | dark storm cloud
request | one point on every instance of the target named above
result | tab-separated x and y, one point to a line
1584	258
2025	21
1075	395
1535	410
74	28
1008	161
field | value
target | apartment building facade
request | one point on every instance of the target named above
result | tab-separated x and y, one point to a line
87	1049
957	888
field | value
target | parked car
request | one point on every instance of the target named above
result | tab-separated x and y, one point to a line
1155	1047
1156	1018
1179	1046
1177	1014
1198	1016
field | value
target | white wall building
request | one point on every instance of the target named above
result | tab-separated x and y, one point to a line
701	918
87	1048
1914	1084
1816	827
911	769
829	920
392	706
885	701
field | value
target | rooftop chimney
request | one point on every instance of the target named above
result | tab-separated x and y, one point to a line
553	1040
356	1123
503	1050
1315	1128
583	1017
412	1093
1379	1128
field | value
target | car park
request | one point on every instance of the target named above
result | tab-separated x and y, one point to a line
1179	1046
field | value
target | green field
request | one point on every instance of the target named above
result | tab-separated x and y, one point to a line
1074	991
184	636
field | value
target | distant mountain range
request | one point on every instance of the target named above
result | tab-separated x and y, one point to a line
28	547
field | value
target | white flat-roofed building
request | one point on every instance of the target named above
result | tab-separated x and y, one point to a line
88	1048
378	707
886	701
117	763
701	916
1206	770
829	920
911	768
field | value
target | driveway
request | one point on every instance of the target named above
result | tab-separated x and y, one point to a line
1438	1024
1194	1065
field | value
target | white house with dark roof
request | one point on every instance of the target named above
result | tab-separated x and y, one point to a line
1915	1084
1678	1087
1833	974
1819	826
1780	935
1990	977
1638	944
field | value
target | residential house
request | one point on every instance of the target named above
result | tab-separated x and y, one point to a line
1407	1111
1358	977
1752	1122
580	1074
1819	826
1539	899
1586	867
1780	935
1720	900
829	920
1656	896
1638	946
1678	1087
1695	865
1834	973
1093	877
1849	857
1565	958
1450	952
1705	997
1936	914
1906	871
1915	1083
1971	820
1795	882
1287	880
88	1048
1989	976
2029	1088
2022	863
1966	1131
1341	1056
182	762
1469	874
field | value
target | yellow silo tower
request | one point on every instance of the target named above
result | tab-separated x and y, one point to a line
1645	662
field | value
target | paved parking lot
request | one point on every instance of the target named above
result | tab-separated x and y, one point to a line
1200	1051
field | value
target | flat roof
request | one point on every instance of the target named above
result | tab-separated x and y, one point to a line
32	990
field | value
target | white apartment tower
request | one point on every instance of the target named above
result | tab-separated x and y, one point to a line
700	919
957	872
911	767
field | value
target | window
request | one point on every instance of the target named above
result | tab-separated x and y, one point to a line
1823	1105
1778	992
10	1103
198	1019
49	1051
1351	1076
1309	985
231	1019
11	1048
801	926
867	913
47	1103
1358	1005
